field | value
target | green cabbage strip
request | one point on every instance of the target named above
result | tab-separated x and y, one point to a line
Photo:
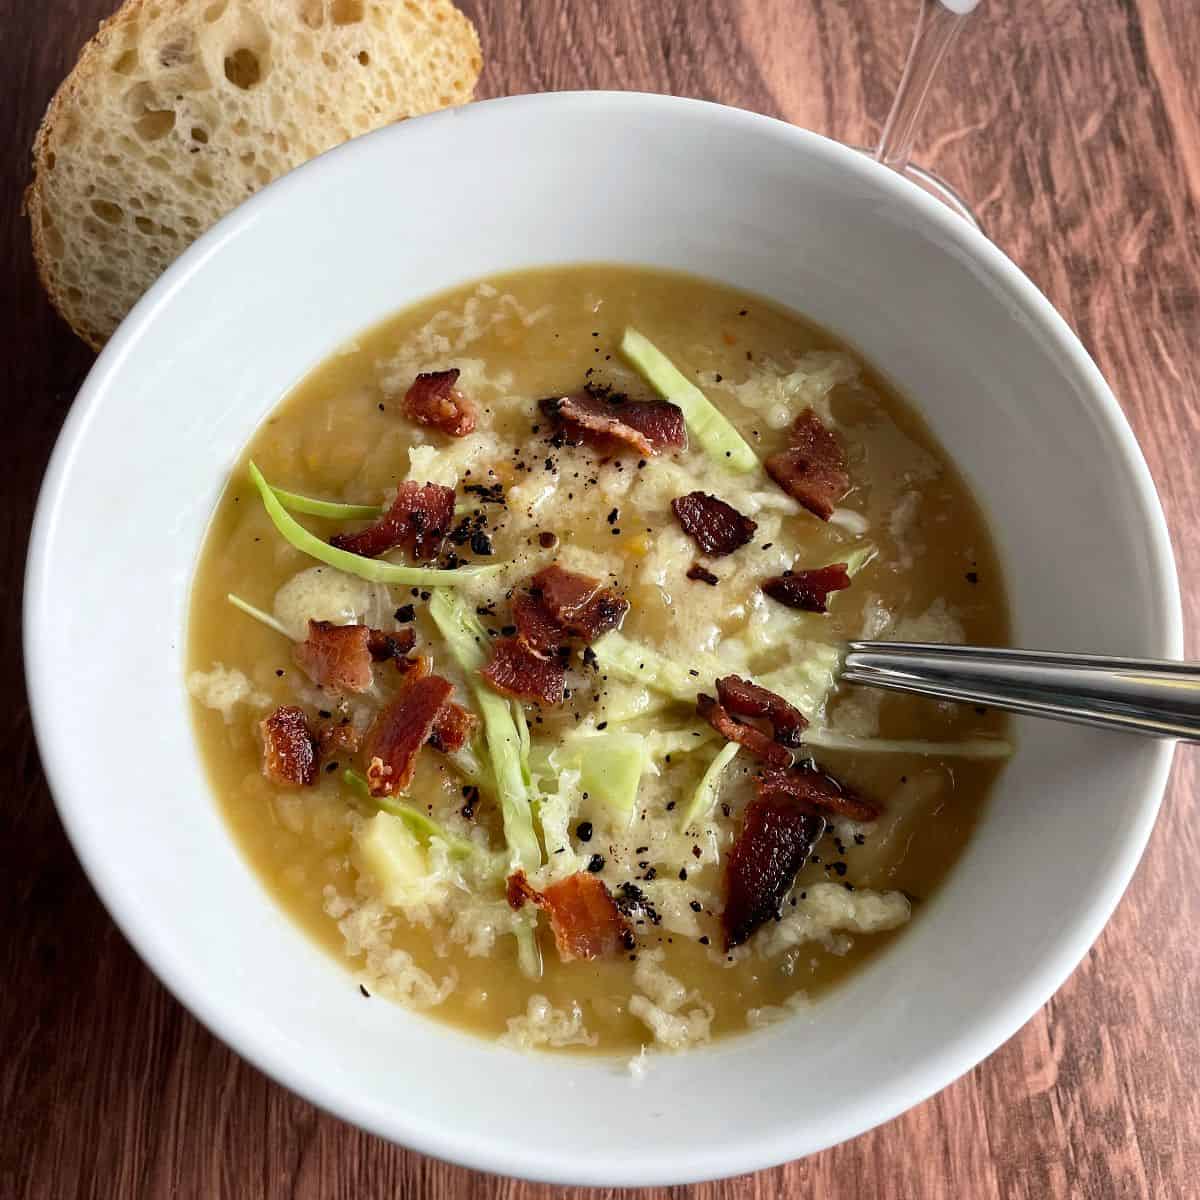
529	953
706	424
466	763
635	663
466	639
705	795
257	613
827	739
857	559
524	744
610	766
418	822
332	509
664	743
806	682
370	569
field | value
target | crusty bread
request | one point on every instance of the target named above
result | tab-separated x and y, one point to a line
177	110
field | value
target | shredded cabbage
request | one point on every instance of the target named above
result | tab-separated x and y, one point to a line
827	739
257	613
706	423
664	743
465	639
370	569
419	823
705	795
332	509
857	559
610	766
807	681
636	663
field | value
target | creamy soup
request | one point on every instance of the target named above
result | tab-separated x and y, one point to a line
467	890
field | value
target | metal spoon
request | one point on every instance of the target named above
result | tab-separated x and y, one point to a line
937	26
1151	697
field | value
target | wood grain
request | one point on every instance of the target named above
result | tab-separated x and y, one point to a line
1073	125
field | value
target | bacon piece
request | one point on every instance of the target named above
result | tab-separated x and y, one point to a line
815	792
746	699
733	730
774	842
415	666
583	915
419	519
516	671
808	590
337	738
701	574
612	425
399	732
578	603
537	629
659	421
813	467
336	657
434	400
451	728
717	528
390	646
289	748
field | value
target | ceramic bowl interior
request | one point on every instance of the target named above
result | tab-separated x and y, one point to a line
393	217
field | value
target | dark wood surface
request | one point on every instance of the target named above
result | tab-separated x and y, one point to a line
1074	125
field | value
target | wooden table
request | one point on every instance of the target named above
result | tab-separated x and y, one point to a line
1074	126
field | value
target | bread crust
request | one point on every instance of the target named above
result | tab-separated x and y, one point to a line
445	35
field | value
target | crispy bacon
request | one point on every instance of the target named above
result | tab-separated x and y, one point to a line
583	915
701	574
451	728
399	732
336	657
578	603
717	528
815	792
537	629
289	748
338	737
390	646
516	671
774	842
808	590
434	400
615	424
415	666
419	519
734	730
746	699
813	467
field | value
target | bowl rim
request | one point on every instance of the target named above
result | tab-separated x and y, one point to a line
750	1152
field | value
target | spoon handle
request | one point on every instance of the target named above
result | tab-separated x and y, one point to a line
937	25
1148	696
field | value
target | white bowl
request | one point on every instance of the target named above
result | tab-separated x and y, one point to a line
388	219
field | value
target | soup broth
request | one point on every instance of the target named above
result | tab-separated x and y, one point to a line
447	940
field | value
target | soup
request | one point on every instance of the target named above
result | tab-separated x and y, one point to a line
550	745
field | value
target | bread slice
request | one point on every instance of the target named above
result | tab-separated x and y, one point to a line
177	110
